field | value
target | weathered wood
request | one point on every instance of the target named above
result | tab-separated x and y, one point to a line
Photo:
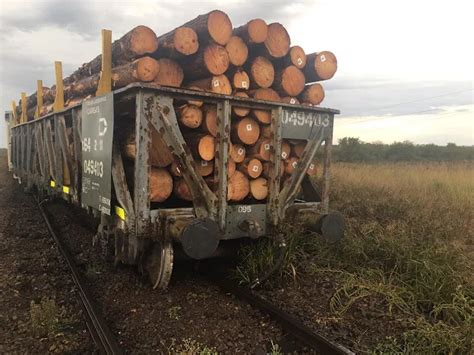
237	153
251	167
245	131
259	188
261	72
238	187
239	110
237	51
253	32
267	94
289	81
170	73
213	59
320	66
313	94
190	116
161	185
215	25
181	41
218	84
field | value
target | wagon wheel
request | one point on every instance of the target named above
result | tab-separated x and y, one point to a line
159	264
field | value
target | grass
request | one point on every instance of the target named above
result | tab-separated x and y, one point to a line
408	244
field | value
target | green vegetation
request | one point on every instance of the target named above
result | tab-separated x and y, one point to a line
47	318
190	347
408	245
351	149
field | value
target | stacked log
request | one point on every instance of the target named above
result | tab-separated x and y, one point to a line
206	54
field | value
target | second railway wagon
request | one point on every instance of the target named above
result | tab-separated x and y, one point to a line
76	154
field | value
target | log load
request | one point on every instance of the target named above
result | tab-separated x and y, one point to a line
138	42
277	43
320	66
251	167
261	150
240	79
289	81
161	185
239	110
261	72
290	165
204	168
237	153
170	73
313	94
245	131
213	59
267	94
190	116
218	84
285	150
253	32
237	51
209	122
202	146
296	56
182	190
259	188
182	41
214	25
238	187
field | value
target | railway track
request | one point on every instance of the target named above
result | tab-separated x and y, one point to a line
100	332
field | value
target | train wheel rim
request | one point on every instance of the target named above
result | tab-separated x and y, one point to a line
159	264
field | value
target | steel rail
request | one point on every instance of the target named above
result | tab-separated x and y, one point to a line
100	332
289	323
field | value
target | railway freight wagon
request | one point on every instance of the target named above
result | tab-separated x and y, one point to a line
158	179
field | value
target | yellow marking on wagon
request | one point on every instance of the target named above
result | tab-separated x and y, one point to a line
120	212
66	189
52	183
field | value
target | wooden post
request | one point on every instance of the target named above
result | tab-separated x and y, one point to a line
23	118
59	98
39	98
15	117
105	81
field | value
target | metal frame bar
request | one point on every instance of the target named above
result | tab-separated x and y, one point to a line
275	166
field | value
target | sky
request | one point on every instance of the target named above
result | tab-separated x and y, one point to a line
405	68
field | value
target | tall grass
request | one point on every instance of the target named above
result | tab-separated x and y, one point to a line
409	243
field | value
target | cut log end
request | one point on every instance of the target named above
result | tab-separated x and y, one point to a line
170	73
161	184
219	27
237	153
325	65
238	187
240	80
143	40
246	131
313	94
278	40
204	168
206	147
259	188
257	30
267	94
290	81
218	84
285	150
185	41
290	165
209	122
182	190
241	111
237	50
216	59
251	167
262	72
297	57
190	116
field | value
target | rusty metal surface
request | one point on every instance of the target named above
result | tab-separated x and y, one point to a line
275	165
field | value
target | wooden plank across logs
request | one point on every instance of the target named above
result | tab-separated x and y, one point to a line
254	60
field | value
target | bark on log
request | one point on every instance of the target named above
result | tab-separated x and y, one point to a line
237	51
201	145
237	153
251	167
239	110
215	25
267	94
245	131
259	188
182	190
253	32
209	122
278	40
238	187
170	73
320	66
161	185
182	41
190	116
289	81
218	84
213	59
261	150
313	94
261	72
138	42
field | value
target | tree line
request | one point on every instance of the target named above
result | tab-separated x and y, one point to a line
350	149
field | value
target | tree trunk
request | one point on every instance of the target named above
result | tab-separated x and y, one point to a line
218	84
289	81
209	123
214	25
170	73
296	56
212	59
261	150
253	32
190	116
320	66
139	41
239	110
259	188
267	94
261	72
201	145
313	94
182	41
277	43
245	131
251	167
237	51
237	153
238	187
161	185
